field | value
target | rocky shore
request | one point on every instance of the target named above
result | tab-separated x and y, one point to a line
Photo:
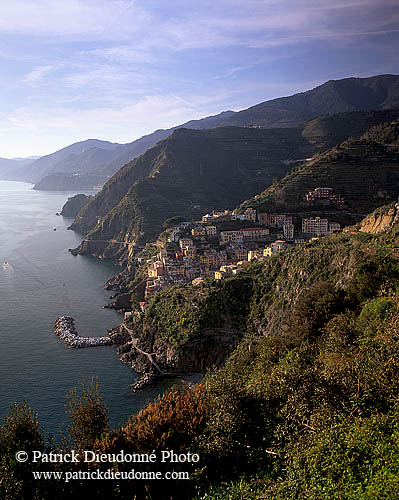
74	204
153	358
65	330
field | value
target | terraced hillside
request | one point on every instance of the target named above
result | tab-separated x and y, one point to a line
189	174
364	171
195	171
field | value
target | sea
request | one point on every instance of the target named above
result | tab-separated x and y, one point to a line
39	281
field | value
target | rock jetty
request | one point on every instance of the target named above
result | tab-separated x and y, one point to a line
65	329
143	381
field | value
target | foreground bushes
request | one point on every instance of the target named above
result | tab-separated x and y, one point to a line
306	407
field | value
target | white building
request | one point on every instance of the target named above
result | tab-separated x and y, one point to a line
186	243
211	230
288	231
315	227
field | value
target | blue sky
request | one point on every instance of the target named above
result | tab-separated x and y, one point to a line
119	69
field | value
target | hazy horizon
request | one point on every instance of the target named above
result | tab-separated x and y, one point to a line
116	70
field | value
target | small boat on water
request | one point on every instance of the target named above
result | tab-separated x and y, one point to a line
5	263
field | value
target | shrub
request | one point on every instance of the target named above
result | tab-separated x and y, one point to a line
88	413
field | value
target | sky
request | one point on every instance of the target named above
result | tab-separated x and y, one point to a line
119	69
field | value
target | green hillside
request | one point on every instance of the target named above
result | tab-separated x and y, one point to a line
364	171
327	131
189	174
305	407
193	172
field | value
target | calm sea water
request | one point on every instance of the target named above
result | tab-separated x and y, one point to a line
40	281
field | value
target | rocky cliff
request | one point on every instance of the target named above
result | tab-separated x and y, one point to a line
74	204
188	174
381	219
152	354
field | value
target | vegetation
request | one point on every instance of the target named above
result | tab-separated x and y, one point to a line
88	414
305	407
360	170
181	313
173	221
20	431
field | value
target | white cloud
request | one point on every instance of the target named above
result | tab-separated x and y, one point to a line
38	74
63	126
94	77
117	69
125	54
184	25
96	19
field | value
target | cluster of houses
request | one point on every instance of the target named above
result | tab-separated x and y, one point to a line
205	248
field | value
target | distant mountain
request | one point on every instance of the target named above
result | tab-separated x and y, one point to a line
10	168
69	182
6	163
27	159
138	147
334	96
81	156
77	170
364	171
93	157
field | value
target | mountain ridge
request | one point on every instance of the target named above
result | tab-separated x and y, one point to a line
334	96
165	181
364	171
349	94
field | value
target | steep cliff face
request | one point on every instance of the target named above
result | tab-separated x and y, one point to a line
186	329
102	249
74	204
114	191
188	174
381	219
152	354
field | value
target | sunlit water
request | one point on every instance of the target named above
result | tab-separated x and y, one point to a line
39	281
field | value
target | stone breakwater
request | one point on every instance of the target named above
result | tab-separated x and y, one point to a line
65	329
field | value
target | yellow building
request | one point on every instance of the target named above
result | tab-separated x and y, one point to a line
267	252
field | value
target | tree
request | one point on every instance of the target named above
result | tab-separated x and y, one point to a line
88	413
20	432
